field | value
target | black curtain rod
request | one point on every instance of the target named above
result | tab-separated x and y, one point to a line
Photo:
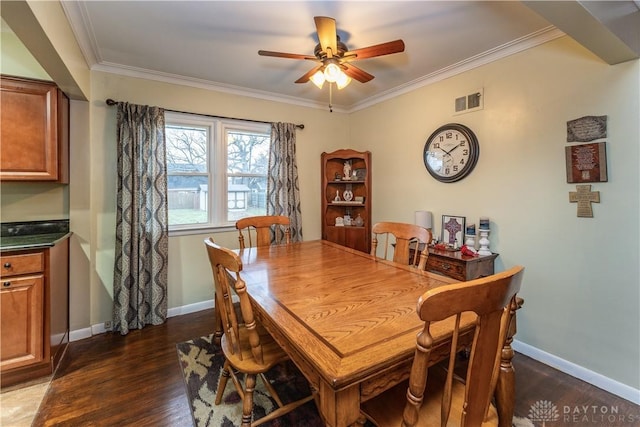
112	102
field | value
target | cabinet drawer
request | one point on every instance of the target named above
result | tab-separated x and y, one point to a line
21	264
446	267
9	283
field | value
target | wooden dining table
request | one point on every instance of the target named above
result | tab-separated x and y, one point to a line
348	321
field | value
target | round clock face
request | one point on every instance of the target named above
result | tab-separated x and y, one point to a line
451	152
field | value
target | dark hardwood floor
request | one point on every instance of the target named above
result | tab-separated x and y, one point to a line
114	380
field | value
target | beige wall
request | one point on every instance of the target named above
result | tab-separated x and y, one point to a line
581	282
16	59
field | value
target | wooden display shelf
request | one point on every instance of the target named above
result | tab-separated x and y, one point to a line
356	237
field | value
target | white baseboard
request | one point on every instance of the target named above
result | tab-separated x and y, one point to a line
99	328
80	334
614	387
191	308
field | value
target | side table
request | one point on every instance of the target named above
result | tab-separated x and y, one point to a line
458	266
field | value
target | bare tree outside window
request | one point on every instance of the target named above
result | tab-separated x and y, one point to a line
187	173
187	146
247	162
196	199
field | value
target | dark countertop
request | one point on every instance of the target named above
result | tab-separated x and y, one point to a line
34	241
32	234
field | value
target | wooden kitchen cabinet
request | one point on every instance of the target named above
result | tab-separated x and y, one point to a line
34	316
352	197
34	131
21	305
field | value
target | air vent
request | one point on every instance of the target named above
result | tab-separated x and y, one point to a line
468	103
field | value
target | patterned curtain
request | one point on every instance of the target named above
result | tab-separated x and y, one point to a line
283	189
140	276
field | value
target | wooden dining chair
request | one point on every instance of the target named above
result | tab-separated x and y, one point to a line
248	348
404	235
448	400
268	229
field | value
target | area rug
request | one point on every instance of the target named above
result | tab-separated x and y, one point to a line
201	361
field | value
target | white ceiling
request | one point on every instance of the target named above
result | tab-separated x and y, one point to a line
215	43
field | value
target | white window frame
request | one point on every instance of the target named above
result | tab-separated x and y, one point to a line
217	167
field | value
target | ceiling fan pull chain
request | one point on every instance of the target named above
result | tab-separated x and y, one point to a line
330	97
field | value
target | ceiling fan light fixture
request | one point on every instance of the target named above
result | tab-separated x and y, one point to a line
318	79
334	57
343	80
332	72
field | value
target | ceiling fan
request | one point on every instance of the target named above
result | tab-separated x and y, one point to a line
334	57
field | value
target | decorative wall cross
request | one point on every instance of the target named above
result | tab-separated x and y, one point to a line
584	197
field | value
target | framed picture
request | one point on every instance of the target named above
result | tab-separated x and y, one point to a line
586	162
453	230
361	174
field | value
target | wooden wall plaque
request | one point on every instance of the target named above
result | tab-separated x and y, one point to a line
586	163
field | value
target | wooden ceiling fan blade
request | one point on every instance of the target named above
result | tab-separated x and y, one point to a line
327	35
381	49
305	78
356	73
286	55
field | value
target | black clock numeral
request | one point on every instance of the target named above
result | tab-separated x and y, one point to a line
447	171
455	168
449	135
463	142
465	152
436	145
462	161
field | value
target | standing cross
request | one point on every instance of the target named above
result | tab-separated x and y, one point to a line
452	226
584	197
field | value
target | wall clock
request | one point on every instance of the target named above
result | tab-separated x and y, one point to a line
451	152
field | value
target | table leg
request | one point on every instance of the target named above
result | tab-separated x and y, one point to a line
339	408
506	386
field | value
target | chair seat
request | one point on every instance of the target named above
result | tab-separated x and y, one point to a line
272	353
386	409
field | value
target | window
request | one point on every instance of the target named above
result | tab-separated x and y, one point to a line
216	170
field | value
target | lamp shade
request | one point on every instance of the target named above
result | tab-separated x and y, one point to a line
318	79
343	80
332	72
424	219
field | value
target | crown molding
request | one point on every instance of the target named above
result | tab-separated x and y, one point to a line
529	41
78	18
81	25
206	84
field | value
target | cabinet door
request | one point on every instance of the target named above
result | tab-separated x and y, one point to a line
21	325
335	235
28	131
352	237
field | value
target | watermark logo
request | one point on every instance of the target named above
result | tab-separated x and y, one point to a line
544	411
